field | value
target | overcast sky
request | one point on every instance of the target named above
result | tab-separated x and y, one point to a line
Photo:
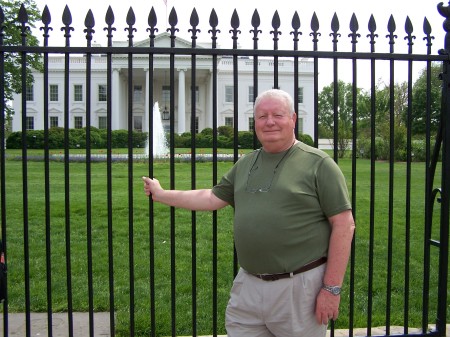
416	10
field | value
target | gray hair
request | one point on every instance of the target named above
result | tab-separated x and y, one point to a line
277	94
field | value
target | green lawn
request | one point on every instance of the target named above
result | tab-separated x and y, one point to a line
161	244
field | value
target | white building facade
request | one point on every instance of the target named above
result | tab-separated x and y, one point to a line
141	105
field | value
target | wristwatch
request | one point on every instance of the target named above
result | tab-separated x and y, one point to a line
335	290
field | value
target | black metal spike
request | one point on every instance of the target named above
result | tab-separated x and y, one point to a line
314	23
408	26
67	16
354	26
335	29
213	22
295	32
315	30
372	28
409	30
194	18
173	18
194	23
256	21
89	21
46	17
391	24
23	15
235	20
276	21
131	18
335	23
296	21
2	16
372	24
391	30
427	31
152	21
109	18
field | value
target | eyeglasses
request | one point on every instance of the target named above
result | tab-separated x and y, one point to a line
253	169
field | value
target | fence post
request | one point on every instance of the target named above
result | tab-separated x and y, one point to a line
444	225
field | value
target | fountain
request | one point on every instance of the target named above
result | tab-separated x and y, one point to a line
160	148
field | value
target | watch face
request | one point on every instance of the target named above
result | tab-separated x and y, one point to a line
336	290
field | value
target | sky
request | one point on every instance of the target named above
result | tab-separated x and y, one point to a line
381	10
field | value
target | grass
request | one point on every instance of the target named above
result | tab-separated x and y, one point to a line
137	236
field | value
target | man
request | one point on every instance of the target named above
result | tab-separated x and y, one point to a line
293	228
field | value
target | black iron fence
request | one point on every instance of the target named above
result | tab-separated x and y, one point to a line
74	244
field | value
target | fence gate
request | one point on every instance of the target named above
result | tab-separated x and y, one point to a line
79	235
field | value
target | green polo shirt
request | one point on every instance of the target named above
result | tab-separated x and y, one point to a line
282	203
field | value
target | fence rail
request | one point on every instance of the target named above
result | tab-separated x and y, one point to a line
130	242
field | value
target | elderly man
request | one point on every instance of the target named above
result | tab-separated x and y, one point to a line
293	228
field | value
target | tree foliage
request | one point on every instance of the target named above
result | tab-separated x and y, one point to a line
13	30
419	104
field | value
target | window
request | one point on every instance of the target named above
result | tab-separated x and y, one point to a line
102	122
102	93
251	124
229	121
137	93
137	123
165	94
300	95
54	121
78	93
29	93
196	124
229	94
300	125
30	123
54	93
78	122
251	94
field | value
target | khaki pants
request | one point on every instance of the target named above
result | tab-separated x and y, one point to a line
282	308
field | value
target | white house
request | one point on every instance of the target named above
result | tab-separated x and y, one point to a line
161	88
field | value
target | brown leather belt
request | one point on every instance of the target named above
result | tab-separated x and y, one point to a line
306	267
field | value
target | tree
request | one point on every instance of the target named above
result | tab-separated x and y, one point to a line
12	37
344	111
419	103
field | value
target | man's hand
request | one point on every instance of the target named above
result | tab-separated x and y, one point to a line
327	307
151	186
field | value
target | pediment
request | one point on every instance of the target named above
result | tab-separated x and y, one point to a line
77	110
163	41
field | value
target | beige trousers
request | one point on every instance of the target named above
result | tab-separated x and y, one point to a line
282	308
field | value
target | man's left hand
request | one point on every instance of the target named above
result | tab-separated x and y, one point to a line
327	307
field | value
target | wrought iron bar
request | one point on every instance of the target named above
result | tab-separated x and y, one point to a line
46	19
131	20
109	20
67	21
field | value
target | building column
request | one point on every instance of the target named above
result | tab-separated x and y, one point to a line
115	100
209	102
181	101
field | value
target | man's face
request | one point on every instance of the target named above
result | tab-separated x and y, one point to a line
273	124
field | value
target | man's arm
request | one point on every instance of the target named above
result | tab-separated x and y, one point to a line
195	200
342	229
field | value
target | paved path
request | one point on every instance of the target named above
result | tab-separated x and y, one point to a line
17	327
